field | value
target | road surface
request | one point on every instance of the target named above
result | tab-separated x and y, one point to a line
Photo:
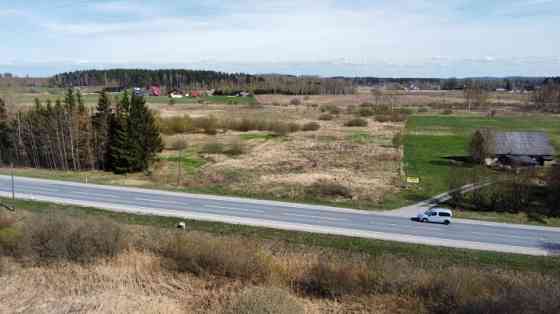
309	218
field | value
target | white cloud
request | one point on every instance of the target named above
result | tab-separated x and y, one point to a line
404	33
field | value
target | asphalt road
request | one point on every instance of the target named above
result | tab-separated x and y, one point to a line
321	219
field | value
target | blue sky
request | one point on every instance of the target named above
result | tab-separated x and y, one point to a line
433	38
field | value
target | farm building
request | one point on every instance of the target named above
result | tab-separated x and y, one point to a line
155	90
176	93
512	148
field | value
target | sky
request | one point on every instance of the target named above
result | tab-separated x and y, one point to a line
396	38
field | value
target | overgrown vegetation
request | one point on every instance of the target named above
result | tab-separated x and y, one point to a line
283	275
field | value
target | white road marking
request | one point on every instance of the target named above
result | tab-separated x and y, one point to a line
486	234
258	211
157	201
94	194
315	217
42	189
387	224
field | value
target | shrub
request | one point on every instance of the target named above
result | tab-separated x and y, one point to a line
447	112
398	140
200	255
295	102
55	238
330	279
423	110
179	143
176	125
392	117
365	112
311	126
326	117
236	149
293	127
264	301
279	128
382	118
358	122
209	125
328	188
332	109
213	148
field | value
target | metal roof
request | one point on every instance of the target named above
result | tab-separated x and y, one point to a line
522	143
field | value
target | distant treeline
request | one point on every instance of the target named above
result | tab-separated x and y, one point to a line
67	136
222	83
489	83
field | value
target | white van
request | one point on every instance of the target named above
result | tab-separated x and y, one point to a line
437	215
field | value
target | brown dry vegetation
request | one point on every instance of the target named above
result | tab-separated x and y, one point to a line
165	271
285	164
402	98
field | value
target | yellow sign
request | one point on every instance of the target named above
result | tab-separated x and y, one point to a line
414	180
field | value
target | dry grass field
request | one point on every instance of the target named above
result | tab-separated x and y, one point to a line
399	98
361	159
52	263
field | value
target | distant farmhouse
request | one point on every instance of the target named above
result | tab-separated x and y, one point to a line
516	149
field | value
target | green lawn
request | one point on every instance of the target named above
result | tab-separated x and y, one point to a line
429	139
420	254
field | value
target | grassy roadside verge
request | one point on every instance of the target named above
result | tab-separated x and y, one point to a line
139	180
420	254
519	218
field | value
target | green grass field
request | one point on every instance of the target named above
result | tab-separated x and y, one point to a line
429	139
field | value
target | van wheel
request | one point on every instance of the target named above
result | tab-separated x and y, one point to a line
424	220
447	222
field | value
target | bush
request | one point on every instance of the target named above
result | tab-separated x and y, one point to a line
209	125
201	255
54	238
328	279
264	301
295	102
236	149
398	140
392	117
176	125
279	128
293	127
179	144
358	122
447	112
311	126
423	110
213	148
332	109
328	189
365	112
326	117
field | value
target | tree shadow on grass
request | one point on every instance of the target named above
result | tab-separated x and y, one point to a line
455	161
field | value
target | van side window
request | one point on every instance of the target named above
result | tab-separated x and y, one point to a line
433	214
444	215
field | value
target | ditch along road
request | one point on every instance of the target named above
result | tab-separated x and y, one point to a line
391	226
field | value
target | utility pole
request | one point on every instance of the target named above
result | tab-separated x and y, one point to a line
179	167
13	183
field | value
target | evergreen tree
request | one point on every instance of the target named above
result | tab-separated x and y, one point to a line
121	150
5	134
144	134
102	122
